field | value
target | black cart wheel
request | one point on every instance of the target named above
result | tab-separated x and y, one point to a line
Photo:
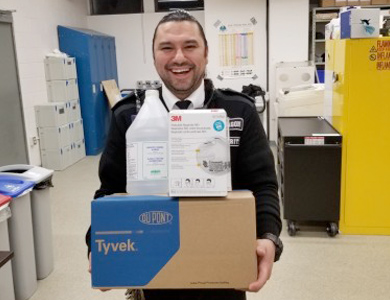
291	228
332	229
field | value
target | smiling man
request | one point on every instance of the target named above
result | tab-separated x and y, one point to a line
180	54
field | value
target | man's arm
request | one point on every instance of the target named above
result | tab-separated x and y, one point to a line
257	173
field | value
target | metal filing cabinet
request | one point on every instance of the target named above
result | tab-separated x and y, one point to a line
309	170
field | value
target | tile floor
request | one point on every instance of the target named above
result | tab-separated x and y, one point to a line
313	265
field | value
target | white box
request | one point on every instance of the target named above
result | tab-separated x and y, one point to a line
80	149
78	130
360	23
59	68
74	89
77	151
199	153
73	154
56	159
75	111
71	72
62	90
54	137
51	114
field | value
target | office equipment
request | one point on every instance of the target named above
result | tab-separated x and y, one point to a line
309	168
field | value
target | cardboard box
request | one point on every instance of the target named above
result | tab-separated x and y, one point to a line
352	25
199	153
353	2
341	2
327	3
378	2
365	2
160	242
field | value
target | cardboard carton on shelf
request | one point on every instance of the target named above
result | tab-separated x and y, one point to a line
341	2
327	3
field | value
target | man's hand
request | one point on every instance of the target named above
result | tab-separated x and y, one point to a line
90	268
265	251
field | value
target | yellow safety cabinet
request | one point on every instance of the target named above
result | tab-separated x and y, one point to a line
357	104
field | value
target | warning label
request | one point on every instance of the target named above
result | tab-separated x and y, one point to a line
383	65
381	56
383	45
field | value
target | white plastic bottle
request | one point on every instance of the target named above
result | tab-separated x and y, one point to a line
146	147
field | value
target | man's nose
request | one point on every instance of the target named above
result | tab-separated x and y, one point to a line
179	56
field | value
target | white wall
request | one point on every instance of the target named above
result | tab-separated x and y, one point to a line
233	12
133	38
288	41
35	26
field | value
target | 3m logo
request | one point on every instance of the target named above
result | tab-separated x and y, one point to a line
156	218
176	118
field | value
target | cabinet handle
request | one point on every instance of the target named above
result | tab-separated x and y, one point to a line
335	77
313	146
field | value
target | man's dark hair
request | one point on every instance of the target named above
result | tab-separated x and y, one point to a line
179	15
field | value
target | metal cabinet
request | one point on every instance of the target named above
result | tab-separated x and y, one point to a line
95	55
358	106
309	168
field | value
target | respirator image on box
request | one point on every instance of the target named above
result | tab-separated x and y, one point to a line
213	156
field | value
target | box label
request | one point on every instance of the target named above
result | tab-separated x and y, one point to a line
151	163
133	238
199	158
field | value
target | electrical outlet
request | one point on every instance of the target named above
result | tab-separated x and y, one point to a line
148	84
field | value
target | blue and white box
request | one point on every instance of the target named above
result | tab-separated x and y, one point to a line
162	242
199	153
360	23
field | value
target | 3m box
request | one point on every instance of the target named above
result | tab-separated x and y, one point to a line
360	23
162	242
199	153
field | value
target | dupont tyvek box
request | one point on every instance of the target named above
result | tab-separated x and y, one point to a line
199	153
162	242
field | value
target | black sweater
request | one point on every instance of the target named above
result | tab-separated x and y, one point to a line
252	162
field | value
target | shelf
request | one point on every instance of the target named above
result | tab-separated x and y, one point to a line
319	63
5	256
323	21
319	41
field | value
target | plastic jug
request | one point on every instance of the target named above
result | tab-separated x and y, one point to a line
146	147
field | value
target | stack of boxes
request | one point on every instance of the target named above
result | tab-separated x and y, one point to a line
328	3
59	122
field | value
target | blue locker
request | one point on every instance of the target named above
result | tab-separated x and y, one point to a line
94	64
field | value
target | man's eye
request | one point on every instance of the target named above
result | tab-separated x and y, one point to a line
166	48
